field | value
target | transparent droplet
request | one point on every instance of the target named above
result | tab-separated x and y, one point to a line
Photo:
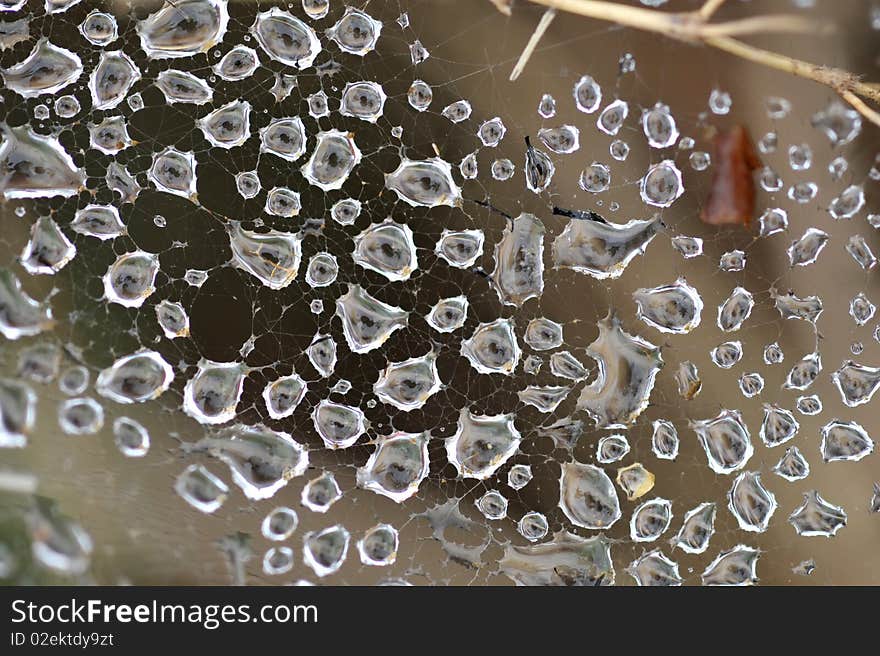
793	307
346	211
503	169
379	545
688	247
325	551
18	405
183	87
612	448
110	136
619	150
533	526
81	416
674	308
837	168
57	543
733	312
366	321
654	569
601	249
612	117
492	348
201	489
700	160
595	178
732	261
322	354
387	248
719	102
777	108
650	520
48	250
770	180
816	517
800	157
46	70
804	372
397	467
662	184
286	39
562	140
659	126
272	257
334	158
635	481
664	440
320	493
768	143
734	567
283	86
131	438
773	220
420	95
809	405
803	192
212	394
135	378
39	362
726	441
861	309
448	314
131	278
237	64
283	395
363	100
112	78
547	106
519	476
338	425
727	354
277	560
542	334
697	529
845	441
195	277
279	524
67	106
849	203
227	126
491	132
751	384
284	137
519	261
261	460
36	166
859	250
356	32
174	172
587	94
458	111
183	29
408	385
840	123
687	380
482	444
587	496
856	383
792	466
750	503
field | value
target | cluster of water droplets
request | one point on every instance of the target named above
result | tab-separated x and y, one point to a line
407	314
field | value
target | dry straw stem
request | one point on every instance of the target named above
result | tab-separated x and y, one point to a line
695	27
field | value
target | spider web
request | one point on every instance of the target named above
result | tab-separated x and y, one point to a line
144	533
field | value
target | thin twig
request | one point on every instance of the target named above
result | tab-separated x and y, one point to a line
543	24
694	27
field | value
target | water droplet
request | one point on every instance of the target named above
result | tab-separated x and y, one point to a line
601	249
325	551
279	524
732	261
48	250
809	405
112	79
420	95
612	448
773	220
845	441
201	489
687	380
734	567
57	542
212	394
696	530
726	441
662	184
320	493
817	517
688	247
356	32
387	248
407	385
46	70
36	166
654	569
379	545
674	308
448	314
562	140
804	372
650	520
482	444
595	178
659	126
858	248
131	438
183	87
338	425
284	137
135	378
286	39
131	278
751	384
587	94
397	467
612	117
174	172
334	158
547	106
519	476
237	64
849	203
840	123
81	416
792	466
664	440
363	100
727	354
492	348
272	257
733	312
